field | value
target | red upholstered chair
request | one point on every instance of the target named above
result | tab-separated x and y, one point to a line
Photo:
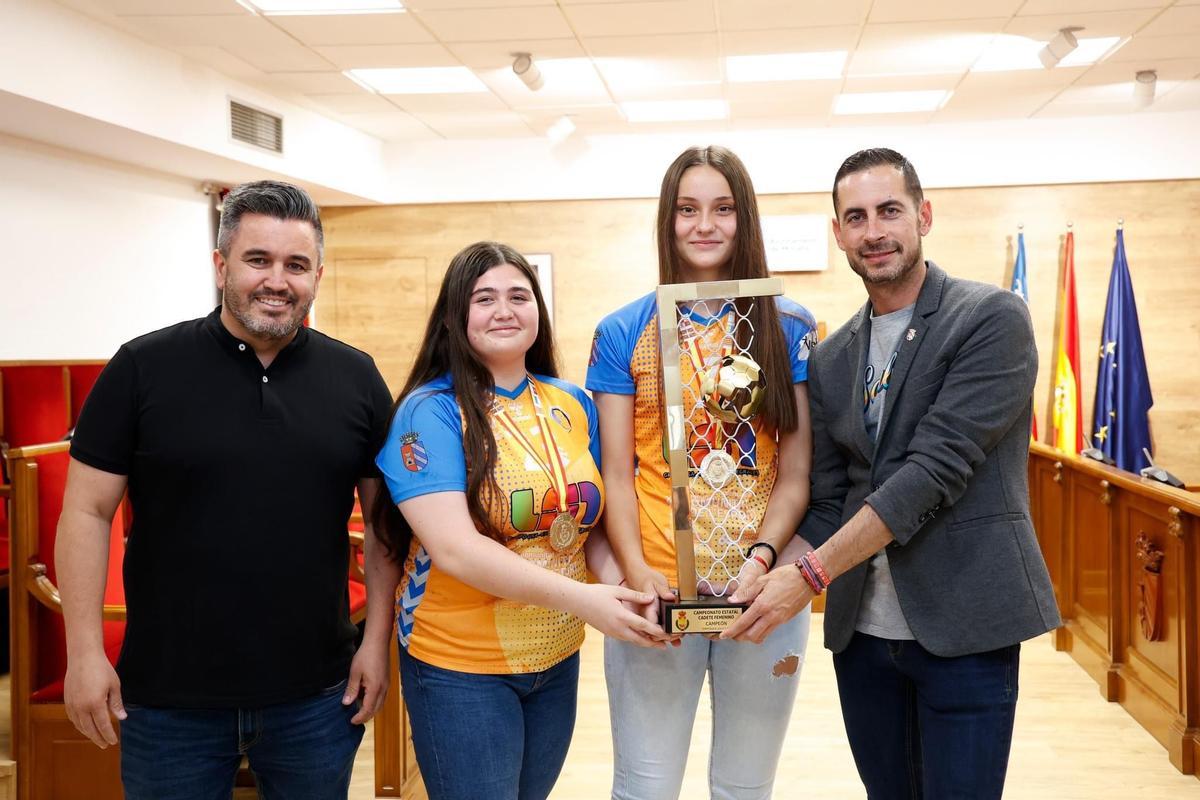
53	759
358	579
36	403
83	378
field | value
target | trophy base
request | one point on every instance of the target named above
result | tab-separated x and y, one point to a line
705	614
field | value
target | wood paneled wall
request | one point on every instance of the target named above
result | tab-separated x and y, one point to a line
384	264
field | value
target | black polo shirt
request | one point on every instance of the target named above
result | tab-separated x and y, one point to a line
242	480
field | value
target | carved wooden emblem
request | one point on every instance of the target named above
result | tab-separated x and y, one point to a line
1149	595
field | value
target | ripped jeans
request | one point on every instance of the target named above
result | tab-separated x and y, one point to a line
652	698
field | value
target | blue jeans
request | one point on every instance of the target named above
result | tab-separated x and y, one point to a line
922	725
302	750
652	699
489	737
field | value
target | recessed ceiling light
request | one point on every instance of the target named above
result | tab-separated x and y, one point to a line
889	102
329	7
418	80
675	110
785	66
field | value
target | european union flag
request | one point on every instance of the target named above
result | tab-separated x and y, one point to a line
1120	424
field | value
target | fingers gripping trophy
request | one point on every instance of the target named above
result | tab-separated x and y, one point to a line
712	390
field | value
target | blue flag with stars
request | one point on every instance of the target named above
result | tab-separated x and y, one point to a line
1120	423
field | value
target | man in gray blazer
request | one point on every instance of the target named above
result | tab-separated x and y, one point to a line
920	504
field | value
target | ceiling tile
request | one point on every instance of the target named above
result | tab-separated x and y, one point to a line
789	40
1184	97
497	24
222	61
783	93
1180	19
1178	69
494	55
925	10
632	74
360	102
665	16
926	47
1109	23
1033	8
992	99
691	46
1020	80
158	8
472	103
772	120
315	82
441	5
1142	48
354	29
572	81
875	120
644	92
748	15
388	55
390	125
252	39
902	83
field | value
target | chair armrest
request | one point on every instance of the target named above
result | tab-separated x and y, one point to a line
357	543
46	593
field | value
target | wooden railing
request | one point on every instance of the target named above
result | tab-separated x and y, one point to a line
1124	558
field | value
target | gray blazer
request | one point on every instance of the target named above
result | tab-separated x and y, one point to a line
947	472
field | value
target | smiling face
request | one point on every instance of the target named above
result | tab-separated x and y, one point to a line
269	277
502	319
705	223
879	225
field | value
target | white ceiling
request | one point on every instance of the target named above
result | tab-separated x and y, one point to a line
622	51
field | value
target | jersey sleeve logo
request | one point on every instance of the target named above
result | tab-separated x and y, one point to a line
560	416
594	356
413	452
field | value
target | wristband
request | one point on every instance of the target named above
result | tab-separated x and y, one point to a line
774	555
762	561
813	573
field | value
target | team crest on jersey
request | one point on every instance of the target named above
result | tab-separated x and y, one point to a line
413	452
560	416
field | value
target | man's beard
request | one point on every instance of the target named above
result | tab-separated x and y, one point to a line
262	326
903	268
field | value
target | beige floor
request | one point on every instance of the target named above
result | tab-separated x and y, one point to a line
1069	744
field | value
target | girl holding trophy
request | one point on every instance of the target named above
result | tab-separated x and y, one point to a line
492	463
748	458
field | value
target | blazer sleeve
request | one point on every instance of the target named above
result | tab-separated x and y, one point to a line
830	478
987	388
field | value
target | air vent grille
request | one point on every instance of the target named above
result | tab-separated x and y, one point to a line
255	127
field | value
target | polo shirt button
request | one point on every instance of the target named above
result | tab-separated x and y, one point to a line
264	378
241	347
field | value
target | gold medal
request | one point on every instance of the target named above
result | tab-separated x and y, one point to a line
563	531
717	468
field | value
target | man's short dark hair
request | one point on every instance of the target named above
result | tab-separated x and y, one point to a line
879	157
270	198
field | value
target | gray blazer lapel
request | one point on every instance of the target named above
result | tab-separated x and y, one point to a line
910	341
854	359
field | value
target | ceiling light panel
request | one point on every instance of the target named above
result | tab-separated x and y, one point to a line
889	102
785	66
638	74
923	48
388	55
675	110
1011	53
287	7
1089	51
419	80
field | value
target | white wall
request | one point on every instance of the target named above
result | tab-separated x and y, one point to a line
95	253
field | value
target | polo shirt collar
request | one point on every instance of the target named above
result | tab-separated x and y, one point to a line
228	341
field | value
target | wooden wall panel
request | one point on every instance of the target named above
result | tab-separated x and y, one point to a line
604	257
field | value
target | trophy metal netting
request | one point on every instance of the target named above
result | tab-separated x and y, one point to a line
712	390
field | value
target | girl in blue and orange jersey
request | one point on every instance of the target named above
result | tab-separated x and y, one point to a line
493	464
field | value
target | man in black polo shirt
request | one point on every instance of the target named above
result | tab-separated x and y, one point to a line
240	437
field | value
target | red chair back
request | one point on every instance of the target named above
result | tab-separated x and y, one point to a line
36	405
83	378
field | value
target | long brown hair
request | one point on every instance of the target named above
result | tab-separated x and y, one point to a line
446	349
765	340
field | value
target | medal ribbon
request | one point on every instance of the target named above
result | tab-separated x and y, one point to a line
551	460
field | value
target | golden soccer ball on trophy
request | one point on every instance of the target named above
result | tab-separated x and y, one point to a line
734	391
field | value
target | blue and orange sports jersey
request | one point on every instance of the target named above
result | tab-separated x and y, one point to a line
442	620
625	360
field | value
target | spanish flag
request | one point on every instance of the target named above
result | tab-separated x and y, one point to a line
1068	411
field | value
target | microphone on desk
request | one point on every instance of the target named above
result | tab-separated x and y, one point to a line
1157	473
1096	454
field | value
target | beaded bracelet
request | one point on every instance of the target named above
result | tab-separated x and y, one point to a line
813	572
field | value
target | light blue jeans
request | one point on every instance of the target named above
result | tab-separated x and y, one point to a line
652	698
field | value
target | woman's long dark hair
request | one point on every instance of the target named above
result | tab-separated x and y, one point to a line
765	341
446	349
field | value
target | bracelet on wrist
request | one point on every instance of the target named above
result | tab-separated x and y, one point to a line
774	555
762	561
813	572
